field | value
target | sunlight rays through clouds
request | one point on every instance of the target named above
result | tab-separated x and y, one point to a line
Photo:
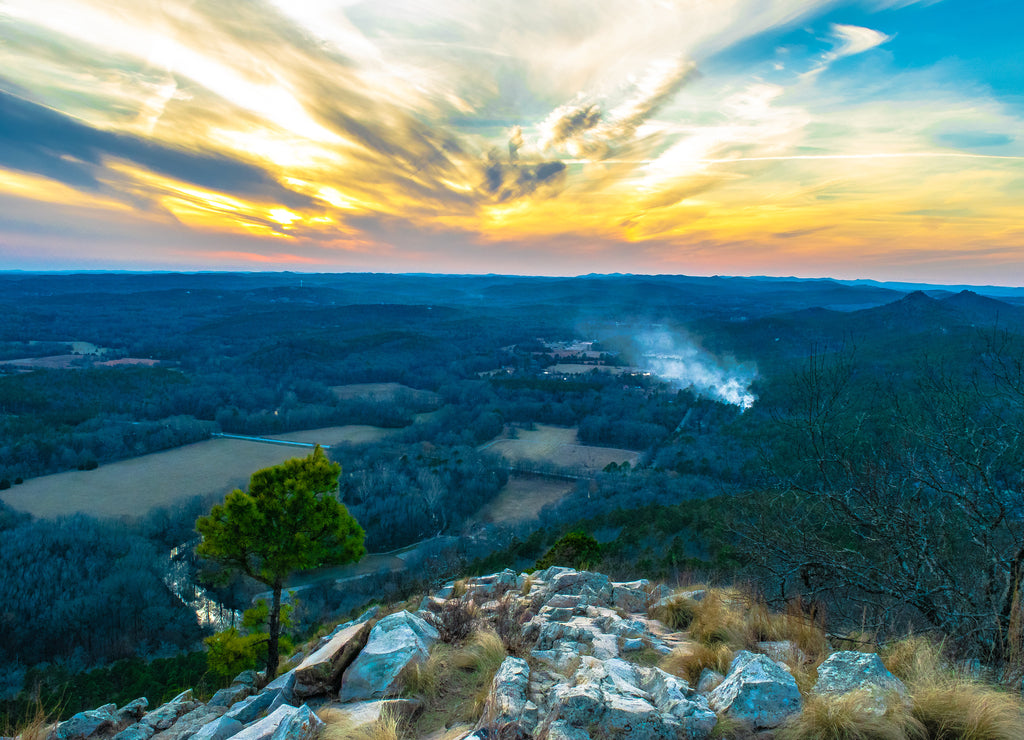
733	136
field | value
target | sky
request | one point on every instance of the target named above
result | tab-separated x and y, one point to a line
878	139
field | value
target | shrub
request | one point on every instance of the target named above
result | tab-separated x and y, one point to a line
230	652
508	622
574	550
455	621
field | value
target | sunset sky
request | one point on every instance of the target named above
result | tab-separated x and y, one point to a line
874	139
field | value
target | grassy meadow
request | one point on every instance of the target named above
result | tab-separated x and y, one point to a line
134	486
559	446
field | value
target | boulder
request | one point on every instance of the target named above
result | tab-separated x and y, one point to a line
233	694
632	596
596	585
675	697
395	641
757	692
188	724
301	725
562	730
266	727
366	712
131	712
849	670
252	707
629	702
319	673
709	680
87	723
493	586
138	731
248	678
782	651
167	714
219	729
285	685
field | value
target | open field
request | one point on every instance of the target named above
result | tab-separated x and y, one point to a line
386	392
52	362
558	446
523	497
134	486
578	369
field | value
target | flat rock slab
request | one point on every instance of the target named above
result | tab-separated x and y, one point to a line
367	712
321	671
265	728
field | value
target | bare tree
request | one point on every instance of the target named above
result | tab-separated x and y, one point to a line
903	500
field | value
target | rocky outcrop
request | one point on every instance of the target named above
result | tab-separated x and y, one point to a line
581	633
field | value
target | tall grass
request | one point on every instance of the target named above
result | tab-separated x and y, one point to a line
453	682
852	716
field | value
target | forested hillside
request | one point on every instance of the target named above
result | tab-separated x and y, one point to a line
849	446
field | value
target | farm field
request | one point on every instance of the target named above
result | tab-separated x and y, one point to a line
523	497
578	369
134	486
558	446
351	433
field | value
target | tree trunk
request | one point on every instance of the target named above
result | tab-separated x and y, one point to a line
274	629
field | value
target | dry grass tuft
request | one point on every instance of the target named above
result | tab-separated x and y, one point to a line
722	617
459	588
851	717
914	659
339	726
690	663
454	682
804	627
957	709
676	613
37	725
509	619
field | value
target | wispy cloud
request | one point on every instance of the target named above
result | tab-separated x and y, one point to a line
351	129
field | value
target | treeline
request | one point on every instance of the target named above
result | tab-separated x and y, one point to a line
28	449
87	591
401	495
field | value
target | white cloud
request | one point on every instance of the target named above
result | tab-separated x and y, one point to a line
855	40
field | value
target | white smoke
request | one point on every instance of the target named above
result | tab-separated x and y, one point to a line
675	358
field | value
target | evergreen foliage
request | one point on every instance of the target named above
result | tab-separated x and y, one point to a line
288	521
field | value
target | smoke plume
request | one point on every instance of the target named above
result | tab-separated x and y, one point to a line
675	358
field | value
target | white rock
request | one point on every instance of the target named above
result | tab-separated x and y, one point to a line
395	641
